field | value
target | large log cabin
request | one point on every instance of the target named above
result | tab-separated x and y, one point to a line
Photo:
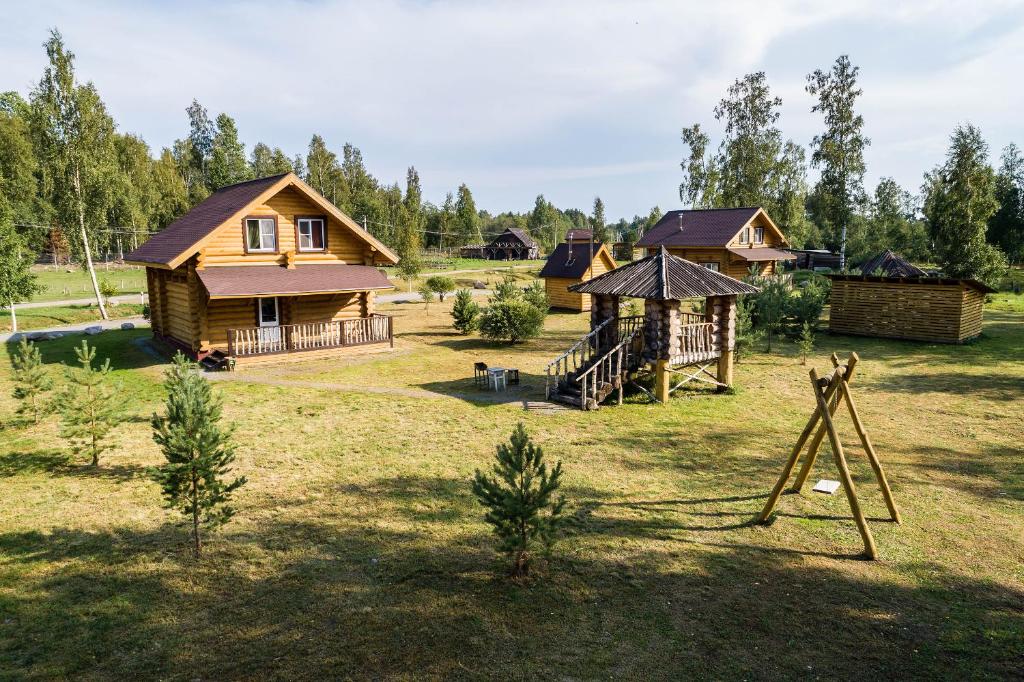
726	240
265	270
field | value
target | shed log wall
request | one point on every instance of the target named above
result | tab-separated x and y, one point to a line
944	313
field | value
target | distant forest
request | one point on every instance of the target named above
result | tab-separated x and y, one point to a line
69	178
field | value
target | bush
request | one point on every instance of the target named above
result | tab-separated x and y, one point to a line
771	306
108	288
511	320
442	285
465	312
520	499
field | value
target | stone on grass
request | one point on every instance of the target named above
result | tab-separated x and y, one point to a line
127	325
53	336
479	285
94	330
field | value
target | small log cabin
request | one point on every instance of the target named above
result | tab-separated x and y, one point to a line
935	309
265	270
726	240
573	261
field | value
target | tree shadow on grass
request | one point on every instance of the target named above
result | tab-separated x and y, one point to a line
330	598
60	463
991	386
996	474
119	345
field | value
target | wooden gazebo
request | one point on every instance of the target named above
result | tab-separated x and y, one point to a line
664	340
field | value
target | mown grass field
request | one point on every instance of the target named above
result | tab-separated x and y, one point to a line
55	316
358	550
72	282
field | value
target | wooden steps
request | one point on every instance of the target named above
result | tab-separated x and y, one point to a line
216	361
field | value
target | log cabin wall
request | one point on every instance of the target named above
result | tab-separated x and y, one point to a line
171	312
227	246
559	295
944	313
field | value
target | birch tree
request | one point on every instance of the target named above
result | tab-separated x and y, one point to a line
75	136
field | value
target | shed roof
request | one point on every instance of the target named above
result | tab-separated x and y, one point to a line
948	281
575	235
892	265
571	261
274	280
700	227
662	276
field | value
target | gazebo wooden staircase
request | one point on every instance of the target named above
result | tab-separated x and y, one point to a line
664	340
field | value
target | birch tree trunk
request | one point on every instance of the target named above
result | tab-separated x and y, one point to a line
85	246
14	318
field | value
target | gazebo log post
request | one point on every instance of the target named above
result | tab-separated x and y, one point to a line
726	337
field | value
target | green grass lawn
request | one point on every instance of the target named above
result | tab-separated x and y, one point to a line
358	550
72	282
42	318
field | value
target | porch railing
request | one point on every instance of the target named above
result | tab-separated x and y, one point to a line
288	338
696	344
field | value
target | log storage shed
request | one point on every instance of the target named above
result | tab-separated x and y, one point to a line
572	262
935	309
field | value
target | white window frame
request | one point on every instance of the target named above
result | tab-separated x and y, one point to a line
265	236
711	265
745	235
276	322
309	223
759	235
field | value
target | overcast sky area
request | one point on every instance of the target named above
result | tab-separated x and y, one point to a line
570	99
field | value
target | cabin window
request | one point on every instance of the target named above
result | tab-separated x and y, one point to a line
312	234
711	265
745	235
261	234
268	312
759	235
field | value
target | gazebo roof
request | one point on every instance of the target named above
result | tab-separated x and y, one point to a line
892	265
663	277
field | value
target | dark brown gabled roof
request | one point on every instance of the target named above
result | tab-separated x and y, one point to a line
209	214
698	227
570	261
579	236
663	277
516	232
892	265
274	280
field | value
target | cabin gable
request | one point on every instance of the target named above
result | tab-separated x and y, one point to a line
229	244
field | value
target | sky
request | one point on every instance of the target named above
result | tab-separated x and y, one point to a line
569	99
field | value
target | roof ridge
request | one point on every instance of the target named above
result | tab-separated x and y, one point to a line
275	178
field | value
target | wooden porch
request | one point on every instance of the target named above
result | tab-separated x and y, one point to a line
309	338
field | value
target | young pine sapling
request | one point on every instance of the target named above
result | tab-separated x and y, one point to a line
519	496
806	342
89	405
31	380
465	312
198	450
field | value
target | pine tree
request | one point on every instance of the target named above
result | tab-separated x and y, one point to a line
599	223
465	312
90	407
519	496
806	342
959	201
31	380
1006	226
839	151
467	220
198	450
228	165
771	305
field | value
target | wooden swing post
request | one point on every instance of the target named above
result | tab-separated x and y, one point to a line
828	394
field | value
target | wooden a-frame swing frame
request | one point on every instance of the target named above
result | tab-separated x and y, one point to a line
829	393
